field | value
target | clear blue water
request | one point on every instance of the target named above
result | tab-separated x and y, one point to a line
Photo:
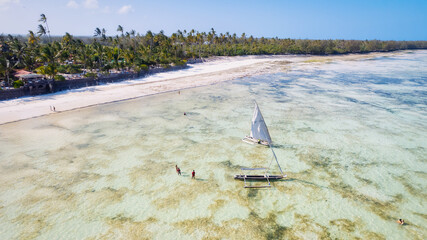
350	134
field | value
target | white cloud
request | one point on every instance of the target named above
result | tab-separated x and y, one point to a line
5	4
72	4
125	9
90	4
106	9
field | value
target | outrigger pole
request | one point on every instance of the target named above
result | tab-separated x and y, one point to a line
274	154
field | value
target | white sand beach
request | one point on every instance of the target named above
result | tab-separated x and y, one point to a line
212	71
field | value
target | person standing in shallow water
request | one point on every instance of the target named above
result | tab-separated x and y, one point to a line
193	175
178	170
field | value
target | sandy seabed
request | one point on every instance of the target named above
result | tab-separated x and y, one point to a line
349	131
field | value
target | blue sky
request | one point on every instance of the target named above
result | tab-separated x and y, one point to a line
305	19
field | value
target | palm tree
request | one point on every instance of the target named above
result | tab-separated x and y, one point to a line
84	54
43	19
32	39
100	53
18	51
150	39
47	55
243	37
100	33
67	45
103	36
29	59
120	29
7	59
41	31
97	32
213	32
199	40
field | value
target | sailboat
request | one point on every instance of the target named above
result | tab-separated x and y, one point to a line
259	135
259	131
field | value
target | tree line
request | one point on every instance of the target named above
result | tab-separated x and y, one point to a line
131	51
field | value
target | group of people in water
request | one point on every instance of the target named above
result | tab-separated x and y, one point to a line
178	170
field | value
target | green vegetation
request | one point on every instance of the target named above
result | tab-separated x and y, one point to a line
18	84
70	69
59	78
132	51
91	75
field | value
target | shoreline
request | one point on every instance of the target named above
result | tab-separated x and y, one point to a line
212	71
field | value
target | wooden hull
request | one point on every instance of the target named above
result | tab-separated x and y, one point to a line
251	140
258	177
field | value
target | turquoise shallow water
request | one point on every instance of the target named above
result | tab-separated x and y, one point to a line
350	135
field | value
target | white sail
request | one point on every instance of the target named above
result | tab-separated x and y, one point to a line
259	129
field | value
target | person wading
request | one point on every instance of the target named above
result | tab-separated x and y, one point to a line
178	170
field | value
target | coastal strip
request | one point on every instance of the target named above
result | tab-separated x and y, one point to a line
196	75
